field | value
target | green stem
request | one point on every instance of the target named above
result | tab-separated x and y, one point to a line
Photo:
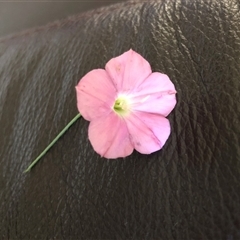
53	142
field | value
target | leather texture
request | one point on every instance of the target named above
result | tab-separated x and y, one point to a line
188	190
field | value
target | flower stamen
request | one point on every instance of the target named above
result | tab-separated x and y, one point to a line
121	106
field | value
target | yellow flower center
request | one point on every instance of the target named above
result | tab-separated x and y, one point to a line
121	106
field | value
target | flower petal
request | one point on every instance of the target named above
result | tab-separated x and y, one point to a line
109	136
148	132
128	70
95	94
156	94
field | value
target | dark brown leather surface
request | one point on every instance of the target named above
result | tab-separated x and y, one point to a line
188	190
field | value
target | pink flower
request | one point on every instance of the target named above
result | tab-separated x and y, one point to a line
126	105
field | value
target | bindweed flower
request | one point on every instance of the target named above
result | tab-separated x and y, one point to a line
126	104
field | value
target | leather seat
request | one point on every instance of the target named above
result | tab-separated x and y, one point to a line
188	190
